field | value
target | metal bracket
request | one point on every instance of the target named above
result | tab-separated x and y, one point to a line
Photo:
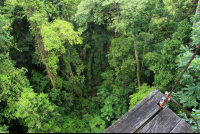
164	100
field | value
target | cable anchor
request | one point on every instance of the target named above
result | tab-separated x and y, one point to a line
164	100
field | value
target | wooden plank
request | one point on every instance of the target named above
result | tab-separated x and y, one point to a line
125	116
182	127
138	115
163	122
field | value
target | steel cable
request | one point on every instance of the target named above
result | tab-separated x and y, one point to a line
162	104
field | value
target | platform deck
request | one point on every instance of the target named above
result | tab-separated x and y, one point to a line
147	117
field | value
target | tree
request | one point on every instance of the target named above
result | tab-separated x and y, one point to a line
135	18
44	32
78	65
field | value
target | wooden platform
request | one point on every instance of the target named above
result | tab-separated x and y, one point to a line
146	117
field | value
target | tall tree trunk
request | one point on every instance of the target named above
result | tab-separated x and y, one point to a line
197	10
137	60
196	13
145	42
41	47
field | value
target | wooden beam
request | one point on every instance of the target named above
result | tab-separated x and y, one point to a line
138	115
163	122
182	127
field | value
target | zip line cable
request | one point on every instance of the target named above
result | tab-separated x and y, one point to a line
168	95
185	69
186	113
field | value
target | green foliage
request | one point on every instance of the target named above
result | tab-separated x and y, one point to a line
4	129
162	63
35	110
96	11
11	84
195	114
189	93
5	36
38	81
54	36
57	80
67	8
189	96
111	98
184	8
107	111
97	125
195	34
143	91
121	55
57	32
